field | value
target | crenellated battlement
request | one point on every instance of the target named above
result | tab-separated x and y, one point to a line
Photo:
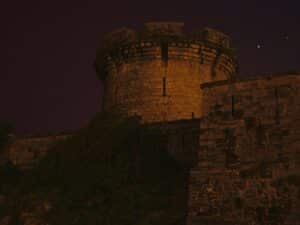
159	29
196	52
168	31
124	45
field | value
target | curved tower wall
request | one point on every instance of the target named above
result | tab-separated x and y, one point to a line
156	74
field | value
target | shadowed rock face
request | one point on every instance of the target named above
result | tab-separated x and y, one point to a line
156	73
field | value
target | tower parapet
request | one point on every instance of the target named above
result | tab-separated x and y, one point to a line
156	72
160	29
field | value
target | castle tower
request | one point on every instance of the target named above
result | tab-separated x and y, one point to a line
156	73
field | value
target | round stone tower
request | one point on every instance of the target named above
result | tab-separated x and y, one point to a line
156	73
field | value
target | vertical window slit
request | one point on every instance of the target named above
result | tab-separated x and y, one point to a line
201	56
164	93
164	52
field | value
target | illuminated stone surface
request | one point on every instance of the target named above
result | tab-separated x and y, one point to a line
156	73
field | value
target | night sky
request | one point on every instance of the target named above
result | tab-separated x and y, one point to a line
47	79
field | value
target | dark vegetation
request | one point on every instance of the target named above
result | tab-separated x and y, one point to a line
113	172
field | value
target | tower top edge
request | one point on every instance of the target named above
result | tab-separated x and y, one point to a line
170	31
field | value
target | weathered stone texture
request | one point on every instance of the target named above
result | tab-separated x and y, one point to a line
248	170
26	152
158	76
180	138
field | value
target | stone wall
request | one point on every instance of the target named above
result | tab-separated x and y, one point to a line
180	139
156	73
248	169
25	152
